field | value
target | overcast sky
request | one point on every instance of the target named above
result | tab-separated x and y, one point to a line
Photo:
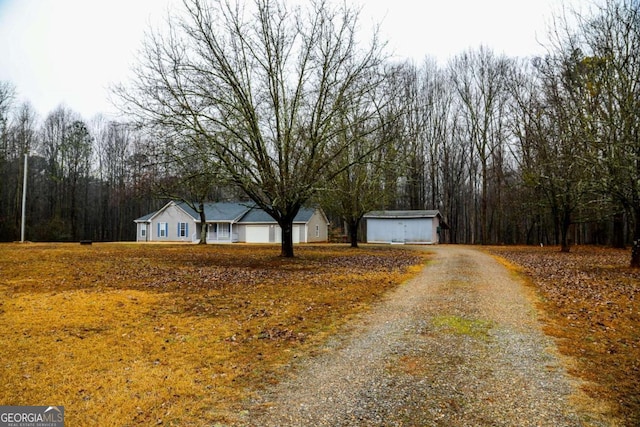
70	51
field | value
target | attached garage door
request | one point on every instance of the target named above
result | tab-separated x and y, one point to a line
296	234
257	234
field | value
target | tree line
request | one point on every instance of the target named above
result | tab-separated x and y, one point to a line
292	105
85	180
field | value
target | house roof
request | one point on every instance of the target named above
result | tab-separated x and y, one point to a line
257	215
145	218
403	214
244	212
219	212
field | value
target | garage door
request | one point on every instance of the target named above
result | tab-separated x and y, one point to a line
257	234
296	234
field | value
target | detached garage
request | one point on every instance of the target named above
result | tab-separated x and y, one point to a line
412	226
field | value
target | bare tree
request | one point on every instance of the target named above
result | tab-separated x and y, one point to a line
479	77
610	68
408	108
24	137
600	73
66	145
357	187
192	174
18	138
262	85
553	142
7	95
113	147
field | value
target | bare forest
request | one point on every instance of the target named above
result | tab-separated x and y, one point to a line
289	107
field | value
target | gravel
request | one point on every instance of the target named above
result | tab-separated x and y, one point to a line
459	345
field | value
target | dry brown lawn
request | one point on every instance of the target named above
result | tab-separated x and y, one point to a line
591	304
130	334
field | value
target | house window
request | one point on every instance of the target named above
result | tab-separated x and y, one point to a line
163	229
317	231
143	230
183	229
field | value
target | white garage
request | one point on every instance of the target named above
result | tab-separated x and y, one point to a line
310	225
411	226
257	233
296	233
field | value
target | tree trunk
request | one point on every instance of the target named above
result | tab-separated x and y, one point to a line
353	232
566	223
286	250
635	254
203	223
635	250
618	230
557	225
483	205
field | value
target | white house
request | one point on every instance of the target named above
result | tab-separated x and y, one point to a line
410	226
228	223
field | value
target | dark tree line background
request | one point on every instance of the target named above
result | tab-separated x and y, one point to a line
510	150
86	180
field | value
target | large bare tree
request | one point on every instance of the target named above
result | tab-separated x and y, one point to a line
553	141
263	85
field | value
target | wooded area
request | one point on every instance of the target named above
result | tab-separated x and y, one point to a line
510	150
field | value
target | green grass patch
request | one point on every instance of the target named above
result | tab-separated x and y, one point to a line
462	326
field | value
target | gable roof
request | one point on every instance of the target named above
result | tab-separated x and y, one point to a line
220	211
403	214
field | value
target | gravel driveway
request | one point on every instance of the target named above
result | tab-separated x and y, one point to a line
459	345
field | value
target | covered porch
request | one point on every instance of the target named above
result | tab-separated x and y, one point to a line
217	232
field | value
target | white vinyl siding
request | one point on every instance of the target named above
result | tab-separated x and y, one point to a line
171	225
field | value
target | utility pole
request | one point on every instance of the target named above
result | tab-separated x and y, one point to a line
24	198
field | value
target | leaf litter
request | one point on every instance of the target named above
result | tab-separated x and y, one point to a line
591	301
